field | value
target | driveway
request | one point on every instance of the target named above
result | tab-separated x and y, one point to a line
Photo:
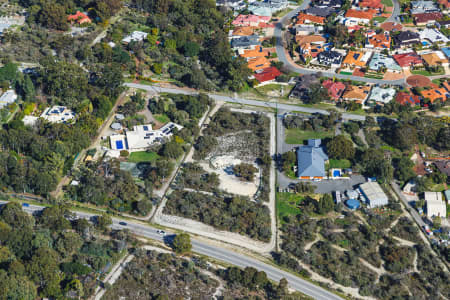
331	185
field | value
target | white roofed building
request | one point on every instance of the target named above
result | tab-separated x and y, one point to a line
435	205
136	36
58	114
7	98
374	194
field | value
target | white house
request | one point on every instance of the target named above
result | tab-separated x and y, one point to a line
374	194
8	97
136	36
434	204
142	137
433	35
58	114
381	96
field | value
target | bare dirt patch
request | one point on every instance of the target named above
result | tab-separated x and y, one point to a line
418	81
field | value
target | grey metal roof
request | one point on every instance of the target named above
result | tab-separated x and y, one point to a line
311	161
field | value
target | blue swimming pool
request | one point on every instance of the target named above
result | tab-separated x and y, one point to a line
425	43
336	173
119	145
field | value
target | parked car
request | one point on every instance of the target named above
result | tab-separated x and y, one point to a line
25	205
123	223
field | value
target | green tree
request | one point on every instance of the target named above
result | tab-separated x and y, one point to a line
340	148
404	169
104	221
191	49
182	243
326	204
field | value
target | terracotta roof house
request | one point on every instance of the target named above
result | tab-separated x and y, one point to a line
244	31
79	17
356	59
330	58
427	18
436	94
355	93
250	20
404	98
446	85
375	4
406	39
258	63
335	89
408	59
310	45
267	75
259	51
358	16
435	58
445	4
307	19
379	41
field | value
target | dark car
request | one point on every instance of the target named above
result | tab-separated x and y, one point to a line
123	223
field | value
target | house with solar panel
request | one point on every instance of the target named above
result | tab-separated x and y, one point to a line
311	160
58	114
142	137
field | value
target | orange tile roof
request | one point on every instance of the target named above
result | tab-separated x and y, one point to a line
257	52
432	59
244	31
305	18
359	14
353	58
356	93
382	40
438	94
371	4
308	39
258	63
79	17
446	85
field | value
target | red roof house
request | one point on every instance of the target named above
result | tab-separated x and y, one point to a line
335	89
426	18
408	59
375	4
79	17
267	74
407	99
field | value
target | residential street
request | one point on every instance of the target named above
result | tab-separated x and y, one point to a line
218	253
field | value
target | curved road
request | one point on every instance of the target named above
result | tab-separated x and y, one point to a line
281	53
225	255
395	12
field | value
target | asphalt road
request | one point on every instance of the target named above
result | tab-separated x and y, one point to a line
395	12
278	33
274	105
225	255
405	201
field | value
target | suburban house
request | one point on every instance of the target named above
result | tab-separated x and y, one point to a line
378	41
233	4
335	89
330	58
135	36
310	45
435	206
427	18
406	39
380	61
336	4
433	36
301	89
420	7
356	59
435	94
79	17
446	51
7	98
245	42
259	51
242	31
268	7
374	194
435	58
58	114
353	17
320	11
142	137
311	160
249	20
309	19
443	166
374	4
356	93
443	24
381	96
306	29
409	59
267	75
404	98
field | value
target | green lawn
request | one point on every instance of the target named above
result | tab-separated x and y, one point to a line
339	164
426	73
287	205
387	3
142	156
161	118
380	19
298	136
